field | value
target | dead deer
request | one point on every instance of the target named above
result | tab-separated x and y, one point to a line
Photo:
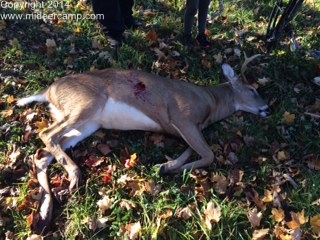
135	100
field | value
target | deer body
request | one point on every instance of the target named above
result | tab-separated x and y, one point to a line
135	100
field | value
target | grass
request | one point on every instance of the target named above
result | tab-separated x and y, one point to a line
144	205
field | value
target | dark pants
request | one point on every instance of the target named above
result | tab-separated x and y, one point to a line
192	7
117	14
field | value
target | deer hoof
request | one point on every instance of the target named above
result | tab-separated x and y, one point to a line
42	226
74	178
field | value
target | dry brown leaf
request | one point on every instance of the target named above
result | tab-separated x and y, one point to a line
132	230
185	213
206	63
268	196
51	47
212	215
14	43
298	219
14	155
7	113
127	204
315	224
278	214
35	237
166	215
314	163
96	44
42	125
104	148
218	58
260	234
94	161
288	117
11	99
101	222
152	36
3	25
220	183
255	217
282	234
104	204
283	155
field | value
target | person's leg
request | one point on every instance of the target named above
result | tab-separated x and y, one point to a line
191	10
113	25
202	23
202	15
126	11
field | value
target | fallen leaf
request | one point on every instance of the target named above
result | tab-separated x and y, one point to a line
78	30
278	214
255	217
166	215
206	63
41	125
315	223
11	99
2	25
288	117
297	219
220	183
268	196
185	213
35	237
132	230
152	36
14	155
282	234
104	204
260	234
127	204
314	163
14	43
7	113
283	155
51	47
212	215
94	161
218	58
101	222
132	162
96	44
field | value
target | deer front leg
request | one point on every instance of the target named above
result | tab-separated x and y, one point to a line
194	138
174	164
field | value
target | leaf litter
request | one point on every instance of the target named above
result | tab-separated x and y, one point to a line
263	202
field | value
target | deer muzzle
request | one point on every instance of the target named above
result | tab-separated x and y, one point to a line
264	111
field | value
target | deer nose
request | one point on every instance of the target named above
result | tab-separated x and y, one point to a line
265	111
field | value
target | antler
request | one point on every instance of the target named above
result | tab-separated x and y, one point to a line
246	62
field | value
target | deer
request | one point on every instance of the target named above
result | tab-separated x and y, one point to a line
80	104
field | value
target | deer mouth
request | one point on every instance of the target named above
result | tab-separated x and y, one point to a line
264	111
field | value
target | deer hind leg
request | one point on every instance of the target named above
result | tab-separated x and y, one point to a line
63	134
196	141
43	159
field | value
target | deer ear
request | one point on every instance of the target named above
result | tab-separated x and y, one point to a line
229	73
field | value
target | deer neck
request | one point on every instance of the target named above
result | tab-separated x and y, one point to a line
222	99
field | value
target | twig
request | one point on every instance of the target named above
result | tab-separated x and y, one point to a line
312	115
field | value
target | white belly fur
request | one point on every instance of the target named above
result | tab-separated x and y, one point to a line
121	116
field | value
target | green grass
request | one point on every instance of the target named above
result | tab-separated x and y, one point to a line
142	196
